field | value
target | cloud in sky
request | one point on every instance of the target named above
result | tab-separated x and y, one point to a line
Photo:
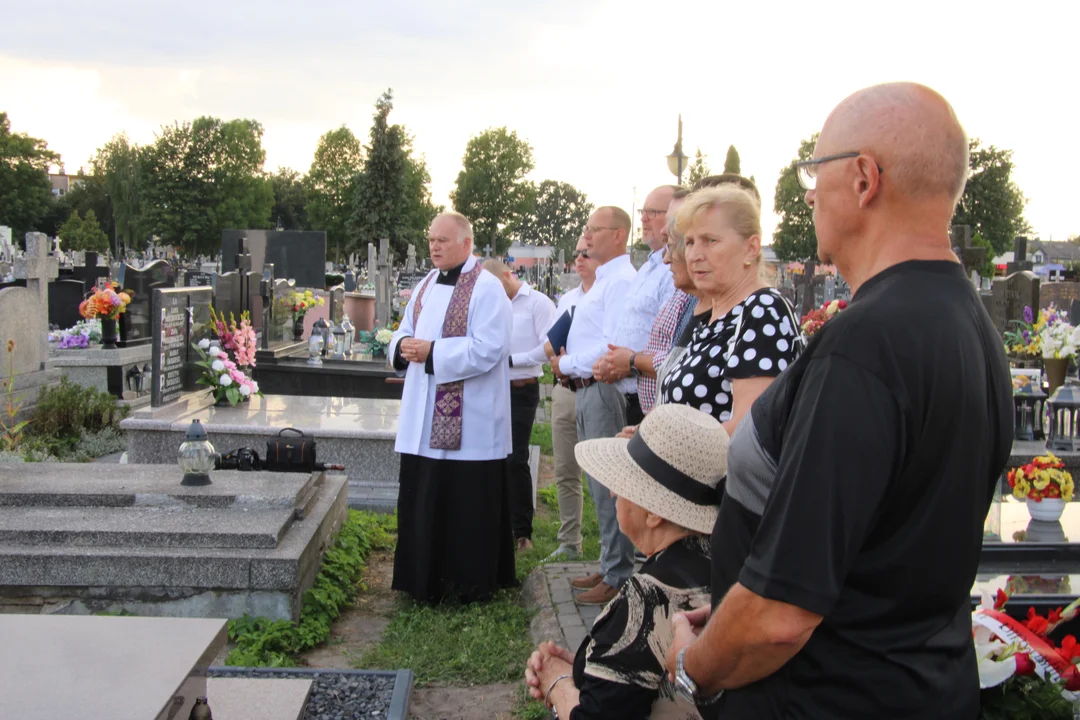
594	86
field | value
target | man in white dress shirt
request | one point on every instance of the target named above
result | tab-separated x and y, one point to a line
652	287
533	314
454	535
601	408
564	425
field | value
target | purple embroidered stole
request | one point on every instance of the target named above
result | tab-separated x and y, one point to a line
446	418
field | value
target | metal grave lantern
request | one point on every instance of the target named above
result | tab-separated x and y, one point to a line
339	343
315	348
1028	408
196	456
1064	406
134	379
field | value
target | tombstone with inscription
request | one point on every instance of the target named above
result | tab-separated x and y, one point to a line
1061	294
182	317
136	322
1009	297
197	278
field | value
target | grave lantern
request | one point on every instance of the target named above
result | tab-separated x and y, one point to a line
315	348
1064	406
1028	407
196	456
339	343
350	331
135	379
322	328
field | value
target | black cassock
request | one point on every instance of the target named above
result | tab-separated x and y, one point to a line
454	536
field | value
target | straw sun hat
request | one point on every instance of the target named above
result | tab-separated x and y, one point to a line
670	467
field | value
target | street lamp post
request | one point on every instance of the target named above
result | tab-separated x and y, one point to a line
676	161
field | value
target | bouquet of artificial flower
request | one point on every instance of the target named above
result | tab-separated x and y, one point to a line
1057	337
221	375
378	340
1023	340
301	302
1043	477
240	339
109	302
815	319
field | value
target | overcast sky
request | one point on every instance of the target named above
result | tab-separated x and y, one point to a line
594	86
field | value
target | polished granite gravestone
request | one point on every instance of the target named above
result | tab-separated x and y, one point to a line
135	326
358	433
121	668
76	539
181	318
64	299
283	369
299	255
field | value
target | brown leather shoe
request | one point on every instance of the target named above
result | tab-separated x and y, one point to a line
588	582
524	543
599	595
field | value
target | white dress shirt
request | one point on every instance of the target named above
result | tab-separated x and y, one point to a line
597	317
652	287
533	315
479	359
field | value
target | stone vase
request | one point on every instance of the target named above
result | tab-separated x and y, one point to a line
1046	510
1055	368
108	333
298	328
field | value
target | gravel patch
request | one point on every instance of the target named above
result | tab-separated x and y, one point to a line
338	694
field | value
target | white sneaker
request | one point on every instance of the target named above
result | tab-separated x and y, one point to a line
565	553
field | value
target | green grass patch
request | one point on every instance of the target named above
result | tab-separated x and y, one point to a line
456	644
262	642
548	377
541	435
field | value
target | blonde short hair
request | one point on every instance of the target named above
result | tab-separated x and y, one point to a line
465	229
743	209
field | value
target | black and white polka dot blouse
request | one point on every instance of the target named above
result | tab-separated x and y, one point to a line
767	343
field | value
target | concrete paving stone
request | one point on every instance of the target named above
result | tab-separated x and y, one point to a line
570	621
574	638
566	608
257	699
562	596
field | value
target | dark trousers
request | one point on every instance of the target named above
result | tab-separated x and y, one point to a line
523	403
634	416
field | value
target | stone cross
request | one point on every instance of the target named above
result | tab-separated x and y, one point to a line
1020	261
487	251
37	268
410	259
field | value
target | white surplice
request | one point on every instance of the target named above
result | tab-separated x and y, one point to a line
480	358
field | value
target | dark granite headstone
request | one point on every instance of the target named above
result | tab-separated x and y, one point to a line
90	273
1020	262
195	278
227	297
407	281
1010	296
296	254
350	281
181	317
136	323
1061	294
64	299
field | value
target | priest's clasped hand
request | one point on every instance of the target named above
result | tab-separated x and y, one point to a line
415	350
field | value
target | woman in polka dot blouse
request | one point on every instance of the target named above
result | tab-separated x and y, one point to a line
752	334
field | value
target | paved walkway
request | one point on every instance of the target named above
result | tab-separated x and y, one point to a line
555	601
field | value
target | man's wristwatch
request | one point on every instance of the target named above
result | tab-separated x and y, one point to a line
687	687
634	372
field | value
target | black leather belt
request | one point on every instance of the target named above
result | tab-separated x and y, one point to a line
523	382
575	384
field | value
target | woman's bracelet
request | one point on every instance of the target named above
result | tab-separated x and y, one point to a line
551	687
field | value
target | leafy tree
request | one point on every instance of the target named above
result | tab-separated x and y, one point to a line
204	177
392	199
25	190
491	190
290	200
557	218
83	233
698	170
117	166
339	158
794	239
732	164
86	195
992	204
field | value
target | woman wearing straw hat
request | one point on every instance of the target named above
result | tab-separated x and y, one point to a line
665	478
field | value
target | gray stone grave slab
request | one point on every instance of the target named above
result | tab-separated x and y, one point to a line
136	324
1010	296
299	255
121	668
182	318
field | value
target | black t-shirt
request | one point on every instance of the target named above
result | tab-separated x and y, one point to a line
857	488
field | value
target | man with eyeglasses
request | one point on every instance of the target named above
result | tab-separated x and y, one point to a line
601	407
850	530
652	287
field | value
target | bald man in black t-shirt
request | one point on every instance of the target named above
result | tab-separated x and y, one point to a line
850	529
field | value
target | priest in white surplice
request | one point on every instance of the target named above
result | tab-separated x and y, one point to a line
454	534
